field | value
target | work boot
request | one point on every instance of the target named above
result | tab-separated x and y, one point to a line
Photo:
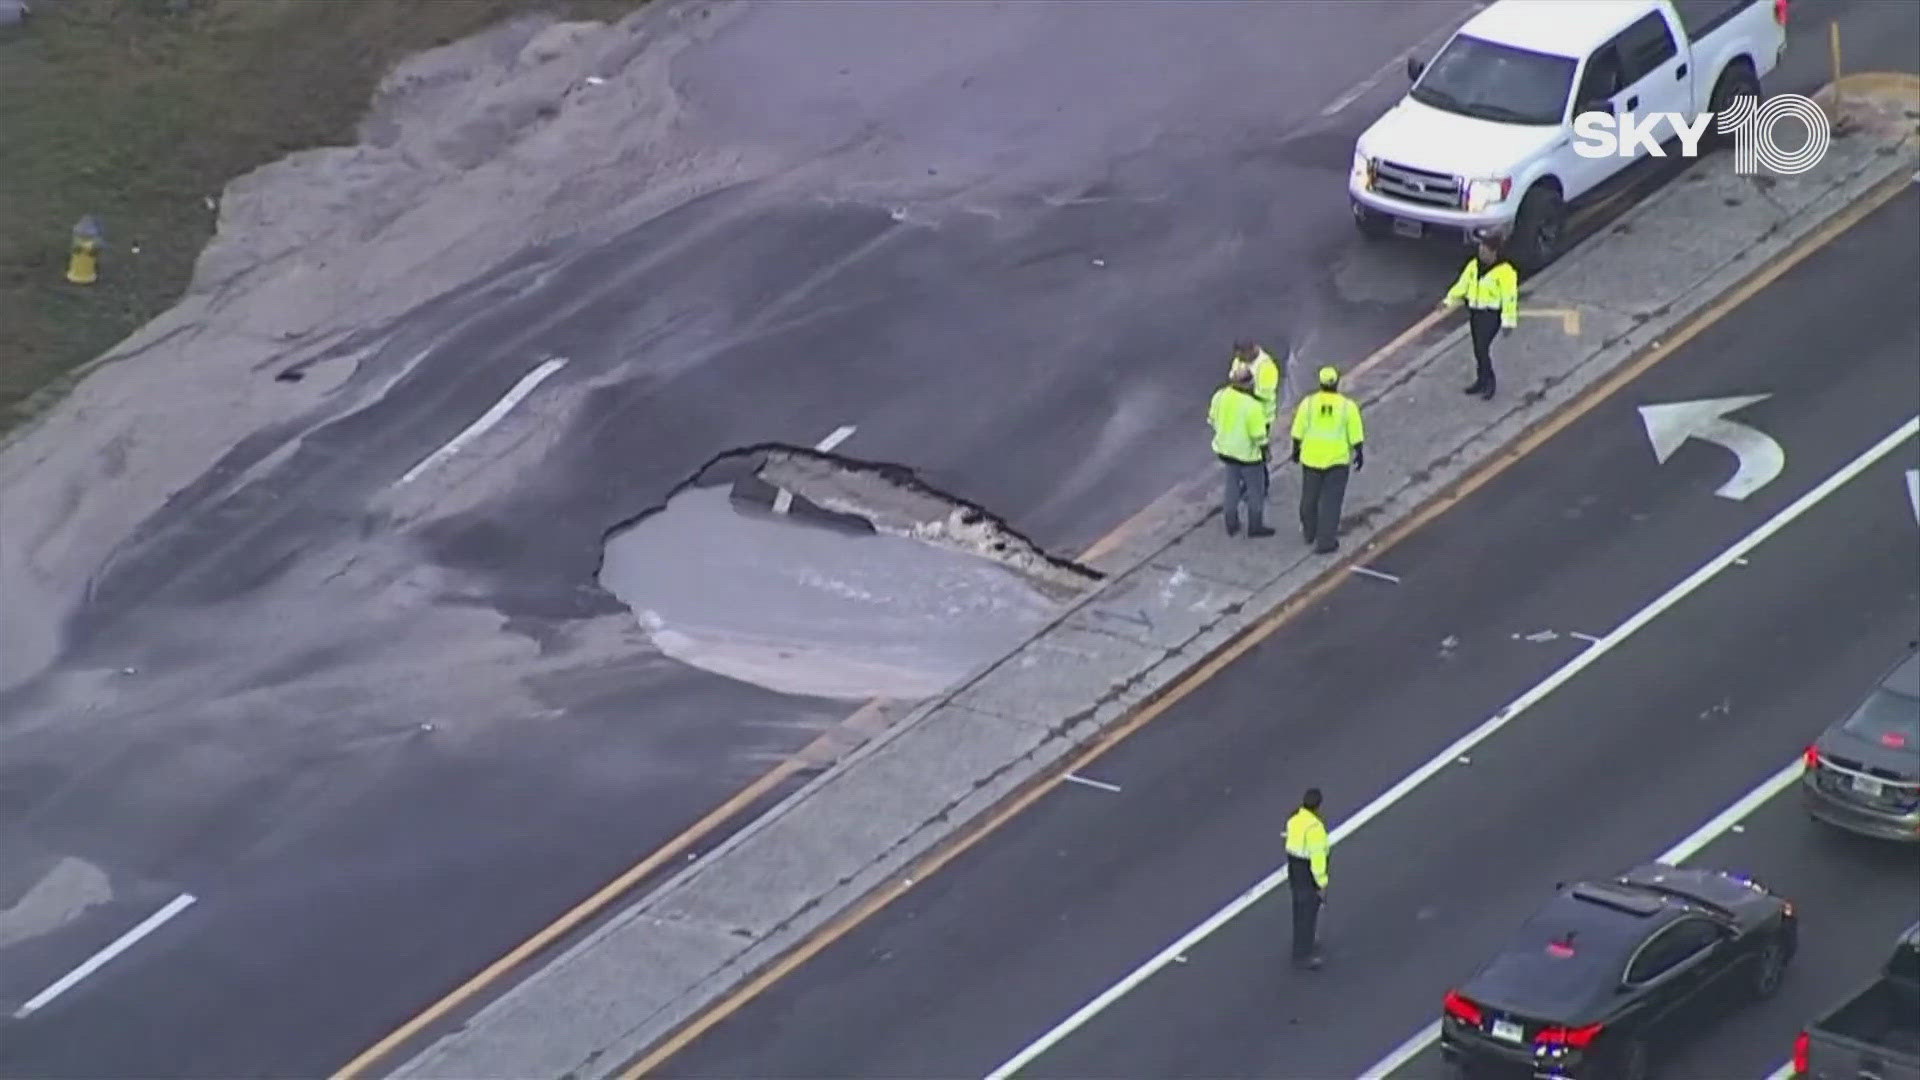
1486	392
1233	528
1476	387
1259	531
1327	548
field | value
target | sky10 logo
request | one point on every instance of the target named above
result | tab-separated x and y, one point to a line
1754	125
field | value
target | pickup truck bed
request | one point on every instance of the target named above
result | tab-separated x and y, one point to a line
1876	1032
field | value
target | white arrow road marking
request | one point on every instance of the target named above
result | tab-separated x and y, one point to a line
1913	492
1761	459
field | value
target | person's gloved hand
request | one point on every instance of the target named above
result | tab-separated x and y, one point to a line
1359	458
1295	458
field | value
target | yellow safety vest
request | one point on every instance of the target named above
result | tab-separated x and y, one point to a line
1239	424
1500	289
1266	381
1307	839
1327	423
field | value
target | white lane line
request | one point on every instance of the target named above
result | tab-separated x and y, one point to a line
1398	63
1382	575
1785	1071
1462	745
783	499
1403	1053
1583	637
98	960
840	434
488	419
1733	815
1101	784
1718	826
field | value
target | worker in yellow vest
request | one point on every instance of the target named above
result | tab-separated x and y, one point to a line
1266	375
1240	434
1490	287
1328	439
1307	874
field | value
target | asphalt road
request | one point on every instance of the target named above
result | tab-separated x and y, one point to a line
262	752
1635	752
1002	211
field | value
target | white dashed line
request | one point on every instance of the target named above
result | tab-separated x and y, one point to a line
1398	63
1446	758
487	420
1101	784
1372	573
1589	638
840	434
783	499
99	960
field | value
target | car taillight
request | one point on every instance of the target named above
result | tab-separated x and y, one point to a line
1461	1009
1576	1037
1813	757
1780	12
1800	1054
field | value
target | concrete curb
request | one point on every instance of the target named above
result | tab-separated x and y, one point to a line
1186	595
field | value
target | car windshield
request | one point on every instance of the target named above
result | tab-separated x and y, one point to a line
1889	719
1478	78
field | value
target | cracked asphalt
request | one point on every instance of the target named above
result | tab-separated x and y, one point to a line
383	732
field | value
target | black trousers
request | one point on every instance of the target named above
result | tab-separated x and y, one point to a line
1485	324
1306	908
1322	493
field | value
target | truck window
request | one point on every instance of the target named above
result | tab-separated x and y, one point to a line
1602	79
1482	79
1702	17
1644	47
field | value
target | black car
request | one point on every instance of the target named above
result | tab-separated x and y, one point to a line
1593	984
1863	773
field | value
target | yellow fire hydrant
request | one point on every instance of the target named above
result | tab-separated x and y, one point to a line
83	263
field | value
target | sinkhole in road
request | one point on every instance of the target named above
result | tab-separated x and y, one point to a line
858	582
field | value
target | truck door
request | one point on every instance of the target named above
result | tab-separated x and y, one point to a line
1602	80
1657	75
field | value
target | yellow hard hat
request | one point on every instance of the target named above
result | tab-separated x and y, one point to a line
1329	377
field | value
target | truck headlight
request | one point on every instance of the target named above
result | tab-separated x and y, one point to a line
1362	171
1482	194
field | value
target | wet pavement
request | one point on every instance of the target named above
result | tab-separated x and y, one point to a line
814	608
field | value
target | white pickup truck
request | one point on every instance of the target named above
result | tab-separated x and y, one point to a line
1484	137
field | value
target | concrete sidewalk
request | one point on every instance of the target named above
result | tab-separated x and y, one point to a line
1180	592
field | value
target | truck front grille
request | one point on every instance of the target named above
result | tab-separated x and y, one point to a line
1397	181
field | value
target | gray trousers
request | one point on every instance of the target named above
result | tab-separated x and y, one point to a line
1322	492
1246	481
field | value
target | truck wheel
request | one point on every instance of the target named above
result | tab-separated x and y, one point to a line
1371	225
1738	80
1538	228
1769	968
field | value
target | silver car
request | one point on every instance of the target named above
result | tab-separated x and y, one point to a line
1863	773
